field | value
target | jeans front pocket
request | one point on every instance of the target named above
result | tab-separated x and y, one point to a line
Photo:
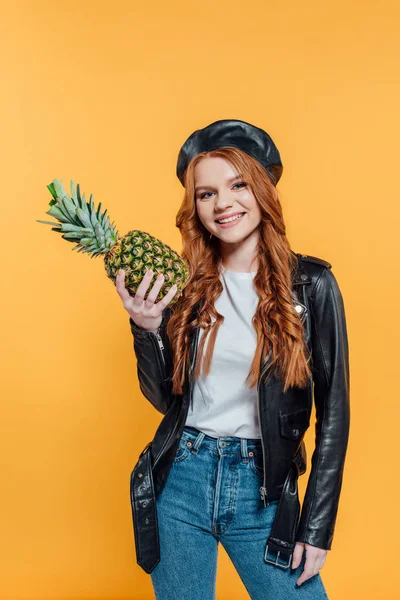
183	449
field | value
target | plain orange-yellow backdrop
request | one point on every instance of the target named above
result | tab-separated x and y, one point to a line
105	93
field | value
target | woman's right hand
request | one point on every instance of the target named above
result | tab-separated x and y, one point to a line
145	313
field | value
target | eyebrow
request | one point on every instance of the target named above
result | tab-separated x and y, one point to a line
204	187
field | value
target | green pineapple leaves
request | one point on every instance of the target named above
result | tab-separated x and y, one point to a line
79	221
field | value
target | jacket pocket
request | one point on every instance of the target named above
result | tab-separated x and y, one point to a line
294	424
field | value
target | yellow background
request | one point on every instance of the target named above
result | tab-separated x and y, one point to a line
105	93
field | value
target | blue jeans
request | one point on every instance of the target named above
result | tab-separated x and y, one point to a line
211	496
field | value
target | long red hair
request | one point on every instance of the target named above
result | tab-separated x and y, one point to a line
277	324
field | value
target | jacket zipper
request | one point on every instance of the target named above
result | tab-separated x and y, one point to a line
263	489
193	363
172	432
160	352
160	343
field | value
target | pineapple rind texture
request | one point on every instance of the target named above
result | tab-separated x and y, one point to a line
137	252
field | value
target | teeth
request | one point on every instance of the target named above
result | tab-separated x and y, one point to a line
231	219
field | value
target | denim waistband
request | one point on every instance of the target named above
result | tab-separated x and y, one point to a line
223	444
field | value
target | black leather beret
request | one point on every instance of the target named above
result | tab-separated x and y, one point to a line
232	132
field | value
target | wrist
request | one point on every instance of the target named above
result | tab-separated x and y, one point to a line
137	327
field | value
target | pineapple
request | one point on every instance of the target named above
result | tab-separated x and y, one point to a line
135	252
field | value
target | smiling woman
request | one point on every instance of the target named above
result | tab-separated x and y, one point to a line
258	333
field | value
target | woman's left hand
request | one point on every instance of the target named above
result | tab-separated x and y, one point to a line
315	558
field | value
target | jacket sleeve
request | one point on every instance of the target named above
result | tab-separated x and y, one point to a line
154	363
330	357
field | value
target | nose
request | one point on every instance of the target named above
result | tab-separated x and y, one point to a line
223	201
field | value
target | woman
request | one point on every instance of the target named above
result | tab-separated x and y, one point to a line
270	326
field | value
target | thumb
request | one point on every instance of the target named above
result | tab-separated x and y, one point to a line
297	554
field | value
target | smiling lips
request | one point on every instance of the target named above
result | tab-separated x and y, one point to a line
231	222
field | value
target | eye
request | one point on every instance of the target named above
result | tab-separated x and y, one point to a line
202	195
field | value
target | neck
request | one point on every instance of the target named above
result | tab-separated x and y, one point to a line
240	257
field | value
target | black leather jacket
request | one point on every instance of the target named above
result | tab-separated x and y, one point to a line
284	418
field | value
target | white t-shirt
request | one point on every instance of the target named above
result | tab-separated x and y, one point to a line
223	405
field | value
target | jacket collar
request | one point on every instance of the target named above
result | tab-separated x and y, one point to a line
300	275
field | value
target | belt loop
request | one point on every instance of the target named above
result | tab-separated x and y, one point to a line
197	443
243	447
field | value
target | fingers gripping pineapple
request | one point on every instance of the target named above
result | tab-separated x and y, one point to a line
145	313
136	253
